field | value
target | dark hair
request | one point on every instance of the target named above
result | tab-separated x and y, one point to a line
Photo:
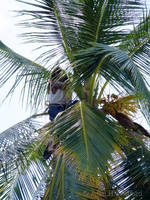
55	73
58	74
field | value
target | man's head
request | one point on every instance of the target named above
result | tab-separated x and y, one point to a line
58	74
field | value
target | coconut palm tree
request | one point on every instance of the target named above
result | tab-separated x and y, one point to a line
102	152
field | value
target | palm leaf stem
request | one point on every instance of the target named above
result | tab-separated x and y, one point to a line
62	33
102	14
84	134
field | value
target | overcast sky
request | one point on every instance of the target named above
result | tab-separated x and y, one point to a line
12	112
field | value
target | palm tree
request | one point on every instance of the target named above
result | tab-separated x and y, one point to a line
102	152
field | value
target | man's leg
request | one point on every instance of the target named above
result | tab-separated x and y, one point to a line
53	111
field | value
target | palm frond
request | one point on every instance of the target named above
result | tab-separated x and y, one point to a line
66	26
87	147
75	132
17	183
137	43
23	133
84	148
50	30
116	66
34	75
136	77
131	175
138	37
20	152
98	60
70	182
104	21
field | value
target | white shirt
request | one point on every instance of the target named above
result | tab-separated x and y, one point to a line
58	98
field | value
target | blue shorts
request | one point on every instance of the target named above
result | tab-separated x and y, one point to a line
54	109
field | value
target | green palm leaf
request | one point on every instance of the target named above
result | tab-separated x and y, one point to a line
132	174
77	134
23	133
46	16
104	20
84	146
20	165
138	37
35	76
115	66
63	27
70	182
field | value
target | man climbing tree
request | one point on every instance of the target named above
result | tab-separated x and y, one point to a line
57	87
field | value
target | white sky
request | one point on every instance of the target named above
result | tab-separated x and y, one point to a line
12	112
